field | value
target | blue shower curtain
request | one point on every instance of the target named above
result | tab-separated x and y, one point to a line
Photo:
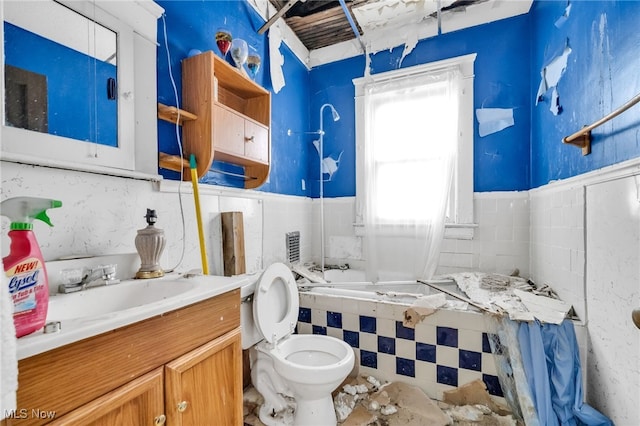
552	365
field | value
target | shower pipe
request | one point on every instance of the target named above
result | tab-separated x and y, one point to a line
336	117
582	138
320	132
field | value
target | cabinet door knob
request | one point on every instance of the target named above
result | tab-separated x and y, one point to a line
246	139
160	420
182	406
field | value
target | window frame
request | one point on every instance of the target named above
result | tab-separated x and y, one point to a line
460	225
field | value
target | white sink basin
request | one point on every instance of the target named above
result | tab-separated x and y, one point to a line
97	310
95	302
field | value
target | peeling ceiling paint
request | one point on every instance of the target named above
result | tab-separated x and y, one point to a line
391	23
385	24
395	13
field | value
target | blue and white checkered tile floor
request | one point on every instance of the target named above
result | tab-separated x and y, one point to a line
445	355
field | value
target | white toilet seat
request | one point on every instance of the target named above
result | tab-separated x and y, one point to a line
275	303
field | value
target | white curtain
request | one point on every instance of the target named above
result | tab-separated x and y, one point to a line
411	139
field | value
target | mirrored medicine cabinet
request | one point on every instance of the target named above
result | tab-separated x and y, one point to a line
79	84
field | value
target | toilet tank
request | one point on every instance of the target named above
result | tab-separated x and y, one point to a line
250	333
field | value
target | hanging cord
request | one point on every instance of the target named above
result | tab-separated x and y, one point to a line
93	119
175	93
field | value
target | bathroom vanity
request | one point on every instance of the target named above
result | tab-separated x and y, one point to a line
183	366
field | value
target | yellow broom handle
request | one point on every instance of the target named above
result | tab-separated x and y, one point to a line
196	197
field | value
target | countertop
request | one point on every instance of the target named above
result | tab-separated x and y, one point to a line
97	310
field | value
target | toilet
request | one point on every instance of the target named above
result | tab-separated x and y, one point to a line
293	372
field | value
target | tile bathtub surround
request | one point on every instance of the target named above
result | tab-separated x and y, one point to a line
500	243
445	350
501	240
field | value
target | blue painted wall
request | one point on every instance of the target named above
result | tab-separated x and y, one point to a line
603	72
502	67
192	25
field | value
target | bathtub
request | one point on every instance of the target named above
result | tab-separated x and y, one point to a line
352	283
441	352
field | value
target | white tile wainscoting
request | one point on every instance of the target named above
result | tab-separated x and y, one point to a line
100	215
585	243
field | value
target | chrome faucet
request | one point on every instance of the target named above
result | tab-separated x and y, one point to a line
99	276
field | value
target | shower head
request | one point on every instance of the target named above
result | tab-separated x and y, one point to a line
334	113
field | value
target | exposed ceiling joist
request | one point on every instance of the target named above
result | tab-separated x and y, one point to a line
322	23
275	17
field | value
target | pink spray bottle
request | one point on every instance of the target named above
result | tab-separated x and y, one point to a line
24	266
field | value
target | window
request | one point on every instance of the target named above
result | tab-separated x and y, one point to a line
406	122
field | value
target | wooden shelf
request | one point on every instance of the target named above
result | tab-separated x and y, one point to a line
173	162
170	114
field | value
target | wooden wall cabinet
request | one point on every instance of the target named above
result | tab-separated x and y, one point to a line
181	368
227	118
240	140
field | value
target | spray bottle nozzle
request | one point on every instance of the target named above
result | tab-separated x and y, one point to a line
22	211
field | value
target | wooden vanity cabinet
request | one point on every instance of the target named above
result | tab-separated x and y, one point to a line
180	368
204	386
139	402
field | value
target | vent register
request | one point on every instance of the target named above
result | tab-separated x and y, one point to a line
293	246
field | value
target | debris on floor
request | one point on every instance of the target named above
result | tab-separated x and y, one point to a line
396	404
410	406
255	413
473	393
251	401
364	401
